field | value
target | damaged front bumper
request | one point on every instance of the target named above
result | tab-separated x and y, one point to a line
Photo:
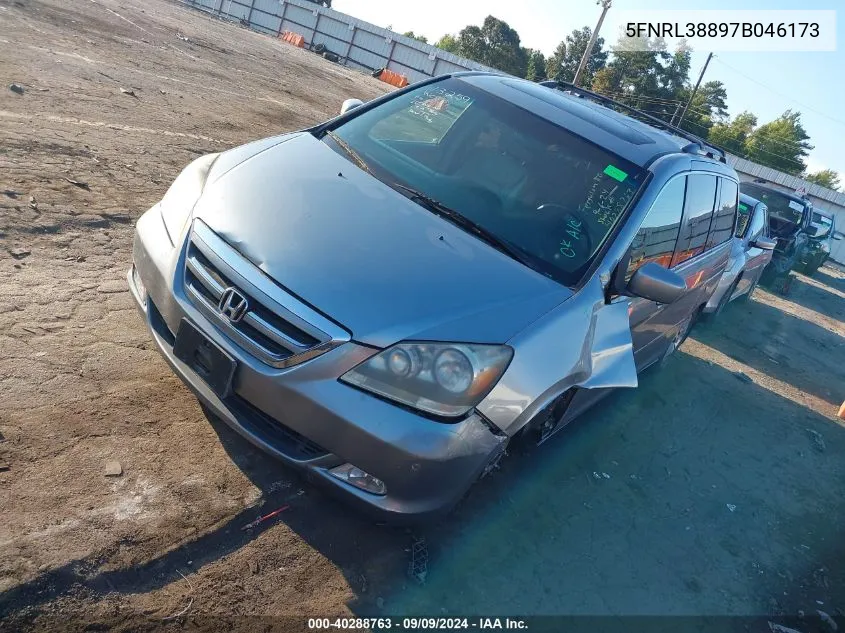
303	415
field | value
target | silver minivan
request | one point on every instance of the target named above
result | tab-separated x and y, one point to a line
388	299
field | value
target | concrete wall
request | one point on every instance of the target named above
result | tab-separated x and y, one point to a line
359	44
821	197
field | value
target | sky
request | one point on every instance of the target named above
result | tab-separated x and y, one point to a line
767	84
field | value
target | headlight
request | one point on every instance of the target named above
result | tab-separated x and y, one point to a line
446	379
180	199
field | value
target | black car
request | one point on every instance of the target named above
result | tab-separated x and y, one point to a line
789	223
822	232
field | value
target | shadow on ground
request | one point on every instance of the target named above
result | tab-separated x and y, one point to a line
696	494
792	350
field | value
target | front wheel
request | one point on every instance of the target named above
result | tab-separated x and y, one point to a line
680	336
745	298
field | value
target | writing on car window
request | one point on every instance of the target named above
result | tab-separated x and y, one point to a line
427	118
607	196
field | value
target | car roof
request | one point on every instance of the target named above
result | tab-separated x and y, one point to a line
621	134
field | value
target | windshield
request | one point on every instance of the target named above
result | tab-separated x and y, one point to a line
824	224
782	208
547	194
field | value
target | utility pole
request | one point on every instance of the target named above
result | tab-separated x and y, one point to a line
694	90
605	5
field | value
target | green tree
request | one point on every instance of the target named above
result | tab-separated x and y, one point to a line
648	78
494	44
449	43
733	135
419	38
780	144
708	107
536	70
563	63
825	178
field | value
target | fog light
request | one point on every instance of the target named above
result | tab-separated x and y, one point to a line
360	479
139	285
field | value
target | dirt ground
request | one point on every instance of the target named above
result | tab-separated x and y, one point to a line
714	489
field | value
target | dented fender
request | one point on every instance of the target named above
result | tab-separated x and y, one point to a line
584	342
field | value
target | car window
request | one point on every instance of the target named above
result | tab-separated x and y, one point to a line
428	117
823	223
658	234
724	219
743	217
785	213
698	211
758	222
552	197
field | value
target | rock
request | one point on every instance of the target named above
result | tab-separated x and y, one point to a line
19	253
742	376
112	287
16	88
126	91
253	567
113	469
4	466
829	621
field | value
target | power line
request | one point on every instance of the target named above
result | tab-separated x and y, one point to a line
780	94
790	145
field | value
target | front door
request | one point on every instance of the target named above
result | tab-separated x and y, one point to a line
654	242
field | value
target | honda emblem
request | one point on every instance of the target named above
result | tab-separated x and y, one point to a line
233	305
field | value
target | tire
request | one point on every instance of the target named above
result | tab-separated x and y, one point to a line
746	298
319	49
681	335
725	300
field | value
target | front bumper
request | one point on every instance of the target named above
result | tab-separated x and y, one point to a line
304	416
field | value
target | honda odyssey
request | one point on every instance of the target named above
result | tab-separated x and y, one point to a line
388	299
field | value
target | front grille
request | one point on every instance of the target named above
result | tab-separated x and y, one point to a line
276	327
270	430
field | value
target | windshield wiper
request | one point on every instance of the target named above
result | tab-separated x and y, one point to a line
465	223
355	156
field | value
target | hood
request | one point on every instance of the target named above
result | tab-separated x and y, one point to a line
364	255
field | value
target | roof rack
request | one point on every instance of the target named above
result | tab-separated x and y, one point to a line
697	144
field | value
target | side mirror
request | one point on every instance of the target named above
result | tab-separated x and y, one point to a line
655	283
350	104
765	243
838	235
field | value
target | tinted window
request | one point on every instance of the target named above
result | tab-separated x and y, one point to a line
783	209
698	211
655	241
552	196
724	219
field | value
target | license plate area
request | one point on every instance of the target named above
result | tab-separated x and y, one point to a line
206	358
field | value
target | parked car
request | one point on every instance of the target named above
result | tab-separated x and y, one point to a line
751	252
822	232
388	299
789	221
